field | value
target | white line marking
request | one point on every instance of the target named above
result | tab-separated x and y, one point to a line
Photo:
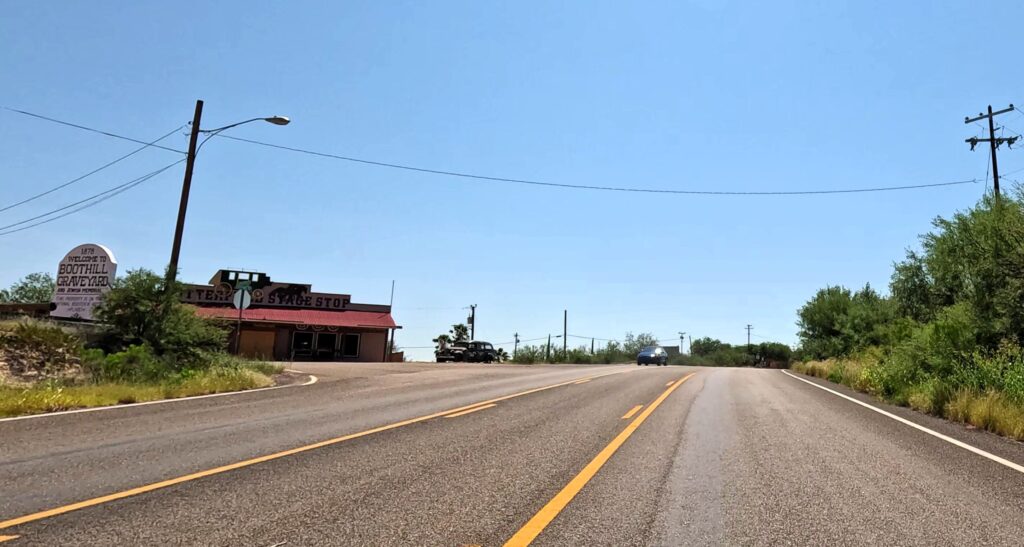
293	370
312	380
936	434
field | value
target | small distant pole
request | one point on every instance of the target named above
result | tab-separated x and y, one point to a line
749	327
472	322
565	333
515	348
591	346
547	352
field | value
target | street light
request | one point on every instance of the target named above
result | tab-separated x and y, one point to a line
186	185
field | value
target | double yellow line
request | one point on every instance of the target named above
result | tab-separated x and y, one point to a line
269	457
536	525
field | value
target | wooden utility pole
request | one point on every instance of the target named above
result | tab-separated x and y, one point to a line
749	327
547	353
472	321
515	348
186	187
565	333
992	140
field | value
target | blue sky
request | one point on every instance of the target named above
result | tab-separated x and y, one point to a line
702	95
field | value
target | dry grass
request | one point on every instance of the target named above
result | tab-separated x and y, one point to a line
991	410
52	396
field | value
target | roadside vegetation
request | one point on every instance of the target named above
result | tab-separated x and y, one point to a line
703	352
149	346
948	338
35	288
709	352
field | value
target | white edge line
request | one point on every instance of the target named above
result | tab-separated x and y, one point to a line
312	380
1016	467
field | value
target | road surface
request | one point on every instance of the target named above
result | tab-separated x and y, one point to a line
424	454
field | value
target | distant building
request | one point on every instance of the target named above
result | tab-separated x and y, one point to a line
288	321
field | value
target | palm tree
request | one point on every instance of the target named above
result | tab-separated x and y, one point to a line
502	355
459	333
442	339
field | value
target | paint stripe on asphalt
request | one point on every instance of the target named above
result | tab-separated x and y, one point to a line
634	410
1002	461
536	525
261	459
470	411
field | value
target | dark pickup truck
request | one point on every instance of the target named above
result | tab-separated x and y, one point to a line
474	351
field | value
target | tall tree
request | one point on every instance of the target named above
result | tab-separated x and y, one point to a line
459	333
34	288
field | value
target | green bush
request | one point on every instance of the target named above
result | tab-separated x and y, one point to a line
931	395
137	363
141	309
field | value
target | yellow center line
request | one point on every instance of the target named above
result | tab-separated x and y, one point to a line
8	538
536	525
631	412
474	409
583	381
261	459
670	383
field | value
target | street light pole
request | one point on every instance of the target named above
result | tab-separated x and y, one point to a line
186	186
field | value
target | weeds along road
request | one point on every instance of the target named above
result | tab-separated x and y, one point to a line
422	454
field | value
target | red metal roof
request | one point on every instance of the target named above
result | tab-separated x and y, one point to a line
348	318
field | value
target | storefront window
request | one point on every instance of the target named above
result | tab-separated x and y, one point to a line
325	343
302	344
350	345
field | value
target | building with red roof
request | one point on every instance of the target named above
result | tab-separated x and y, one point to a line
288	321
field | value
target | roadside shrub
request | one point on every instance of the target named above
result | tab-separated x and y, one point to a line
137	363
930	396
141	309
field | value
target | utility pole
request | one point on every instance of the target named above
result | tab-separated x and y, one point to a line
547	352
565	333
682	342
992	141
749	327
186	187
515	348
472	321
591	346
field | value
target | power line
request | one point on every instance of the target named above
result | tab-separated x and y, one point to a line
103	196
92	129
595	187
93	172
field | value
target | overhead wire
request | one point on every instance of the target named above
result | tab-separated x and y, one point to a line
91	129
93	172
88	202
590	186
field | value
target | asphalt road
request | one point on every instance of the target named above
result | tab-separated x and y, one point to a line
424	454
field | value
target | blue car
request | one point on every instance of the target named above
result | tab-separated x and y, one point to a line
652	355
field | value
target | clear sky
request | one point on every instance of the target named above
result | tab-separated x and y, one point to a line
704	95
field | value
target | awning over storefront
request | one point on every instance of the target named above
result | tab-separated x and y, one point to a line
365	319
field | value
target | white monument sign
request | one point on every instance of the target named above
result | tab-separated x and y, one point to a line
83	277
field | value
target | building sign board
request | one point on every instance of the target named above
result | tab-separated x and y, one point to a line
275	295
83	277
